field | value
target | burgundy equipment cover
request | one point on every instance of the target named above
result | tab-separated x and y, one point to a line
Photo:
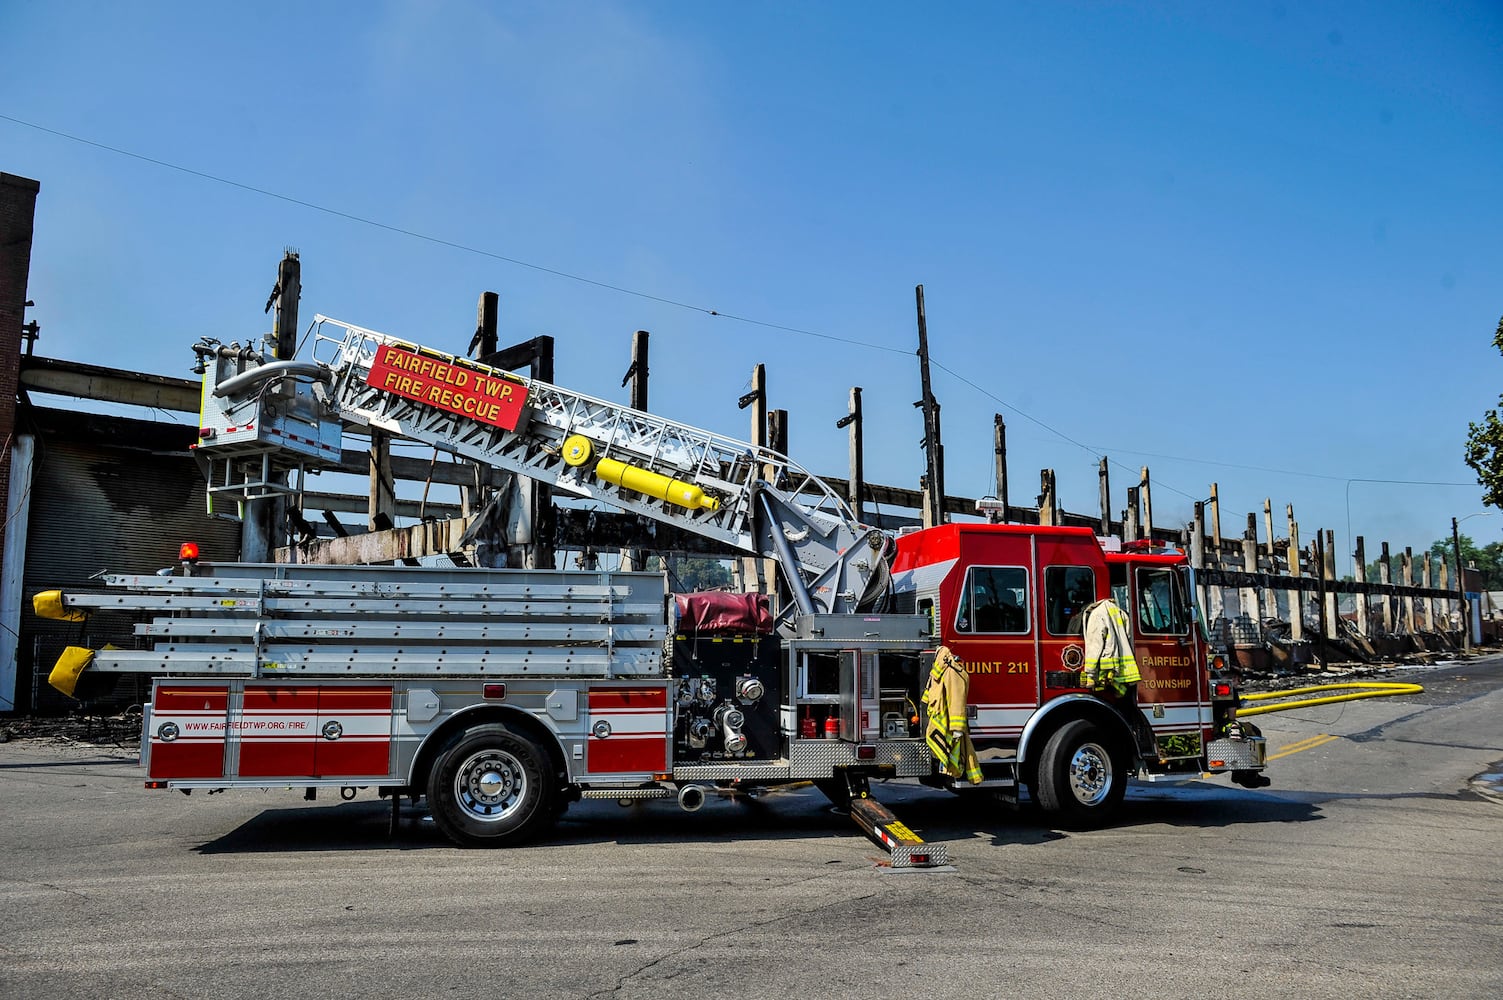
719	611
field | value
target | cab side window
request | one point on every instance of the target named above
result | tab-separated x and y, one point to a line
1068	590
1161	602
994	601
1118	575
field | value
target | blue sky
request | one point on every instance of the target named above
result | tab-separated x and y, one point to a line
1256	244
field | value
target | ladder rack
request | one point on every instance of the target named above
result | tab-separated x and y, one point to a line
384	621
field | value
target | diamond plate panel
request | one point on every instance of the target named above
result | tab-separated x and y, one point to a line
776	770
1239	755
937	854
818	758
626	793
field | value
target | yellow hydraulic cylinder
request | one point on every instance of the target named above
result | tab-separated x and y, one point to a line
655	484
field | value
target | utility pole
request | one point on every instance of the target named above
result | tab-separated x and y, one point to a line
934	453
852	419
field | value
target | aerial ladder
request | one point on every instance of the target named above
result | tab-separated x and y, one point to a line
262	418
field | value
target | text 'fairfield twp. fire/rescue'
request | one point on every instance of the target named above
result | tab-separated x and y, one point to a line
458	389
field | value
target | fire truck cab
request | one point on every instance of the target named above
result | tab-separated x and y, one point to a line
1009	601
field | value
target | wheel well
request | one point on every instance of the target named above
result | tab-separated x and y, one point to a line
518	721
1055	718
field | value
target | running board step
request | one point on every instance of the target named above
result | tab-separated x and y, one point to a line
651	792
905	846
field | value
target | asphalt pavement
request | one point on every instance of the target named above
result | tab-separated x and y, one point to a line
1369	869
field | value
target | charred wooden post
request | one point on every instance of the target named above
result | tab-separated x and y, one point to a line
1362	596
261	531
1385	577
1048	506
1216	522
857	486
1427	604
1406	567
777	431
1249	595
1105	488
1130	516
482	345
1443	582
999	449
1328	574
636	377
777	440
1145	497
487	319
1296	597
284	299
1273	566
755	572
381	515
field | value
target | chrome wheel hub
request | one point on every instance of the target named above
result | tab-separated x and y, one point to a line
1090	774
490	785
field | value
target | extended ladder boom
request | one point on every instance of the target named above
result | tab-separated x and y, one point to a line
749	498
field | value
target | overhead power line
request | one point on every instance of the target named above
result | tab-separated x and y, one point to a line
677	304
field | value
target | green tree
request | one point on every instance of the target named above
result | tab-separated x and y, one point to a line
703	574
1484	446
691	574
1486	560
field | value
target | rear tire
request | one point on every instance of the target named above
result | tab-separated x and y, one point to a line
1082	775
492	787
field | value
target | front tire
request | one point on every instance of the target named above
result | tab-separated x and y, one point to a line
492	787
1082	776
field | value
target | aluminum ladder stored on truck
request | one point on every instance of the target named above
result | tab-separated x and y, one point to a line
258	620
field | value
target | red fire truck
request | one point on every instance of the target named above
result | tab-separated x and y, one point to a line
501	696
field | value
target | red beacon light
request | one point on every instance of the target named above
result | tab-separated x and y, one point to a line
188	552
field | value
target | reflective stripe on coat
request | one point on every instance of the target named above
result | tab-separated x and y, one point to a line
1109	661
948	732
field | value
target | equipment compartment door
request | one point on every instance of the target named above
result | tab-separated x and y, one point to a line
628	731
354	732
314	731
277	731
187	731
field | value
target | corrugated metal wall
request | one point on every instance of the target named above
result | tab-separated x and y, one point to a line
108	493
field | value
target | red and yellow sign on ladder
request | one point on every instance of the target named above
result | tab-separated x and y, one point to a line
449	384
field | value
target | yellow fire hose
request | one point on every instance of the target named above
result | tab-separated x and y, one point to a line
1369	689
